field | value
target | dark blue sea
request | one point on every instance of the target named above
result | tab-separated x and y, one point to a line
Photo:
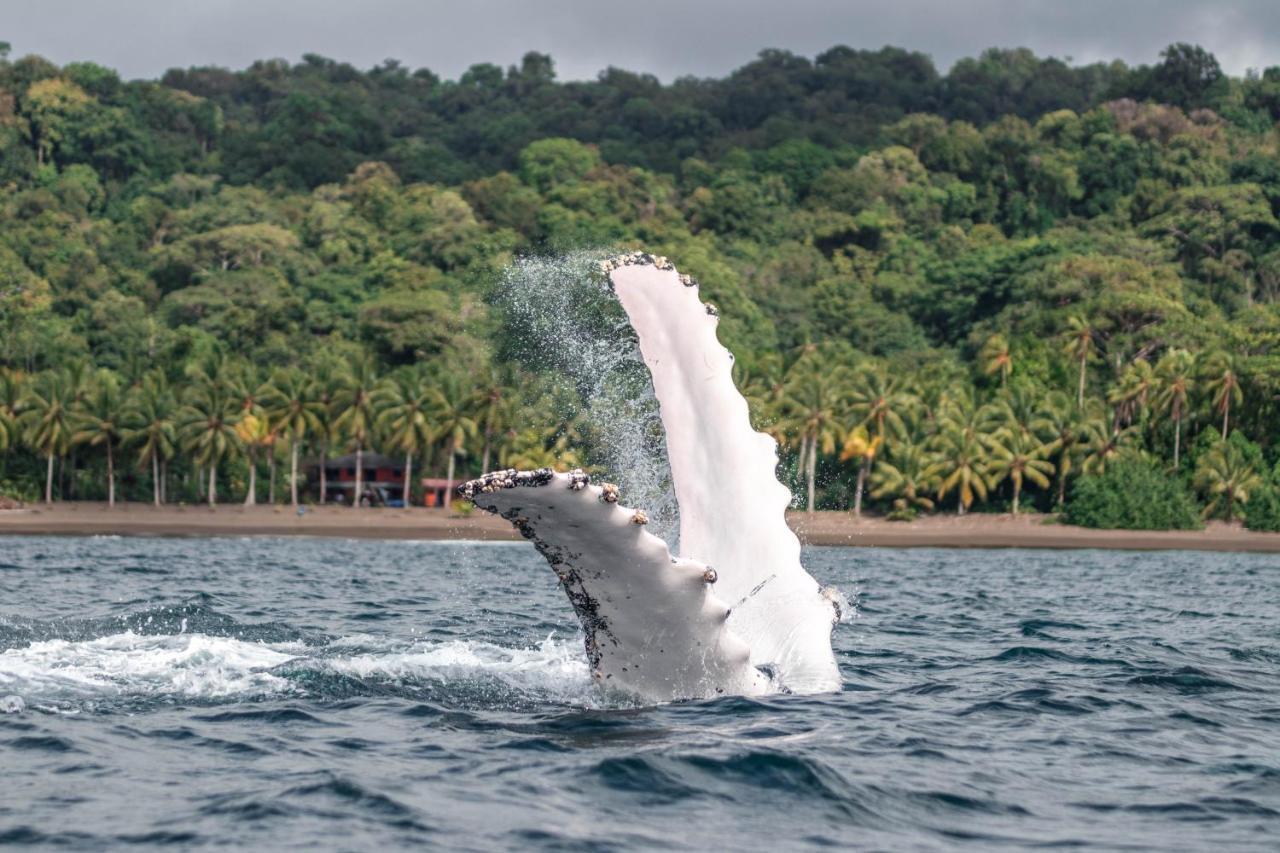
330	694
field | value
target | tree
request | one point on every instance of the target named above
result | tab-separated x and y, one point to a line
1018	456
1079	347
148	422
47	420
1225	477
995	358
813	406
12	390
1223	384
962	465
861	446
1189	76
292	405
405	408
451	405
1131	394
97	422
494	407
354	414
52	106
206	428
1062	427
1175	377
909	475
255	434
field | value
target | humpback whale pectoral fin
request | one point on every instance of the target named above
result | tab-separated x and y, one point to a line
652	623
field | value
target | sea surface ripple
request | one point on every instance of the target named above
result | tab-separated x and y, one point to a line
332	694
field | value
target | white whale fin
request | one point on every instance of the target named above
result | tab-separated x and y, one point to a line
732	507
653	626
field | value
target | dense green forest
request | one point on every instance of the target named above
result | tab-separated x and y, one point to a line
980	289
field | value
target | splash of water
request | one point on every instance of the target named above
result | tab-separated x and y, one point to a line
562	320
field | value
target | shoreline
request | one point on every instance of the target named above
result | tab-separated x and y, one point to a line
822	528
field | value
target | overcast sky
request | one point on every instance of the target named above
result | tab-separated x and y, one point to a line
142	38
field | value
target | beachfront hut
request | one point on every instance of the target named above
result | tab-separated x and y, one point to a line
383	478
433	489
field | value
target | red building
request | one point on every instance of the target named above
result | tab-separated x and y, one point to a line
382	479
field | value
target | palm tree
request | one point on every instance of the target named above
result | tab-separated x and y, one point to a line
995	358
861	446
354	414
1079	347
1131	394
206	428
405	407
962	464
1175	375
764	387
451	410
874	397
326	379
909	475
255	434
1061	426
96	420
813	405
493	404
292	404
1226	477
46	420
1223	383
12	390
148	423
1018	456
1102	443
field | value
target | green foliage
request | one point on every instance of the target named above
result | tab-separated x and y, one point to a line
1134	495
992	281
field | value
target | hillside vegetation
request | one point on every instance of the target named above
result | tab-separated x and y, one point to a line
965	290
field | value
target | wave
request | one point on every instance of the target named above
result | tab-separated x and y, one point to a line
60	674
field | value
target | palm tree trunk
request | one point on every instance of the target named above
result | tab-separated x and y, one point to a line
48	482
213	484
164	482
355	501
813	460
1017	491
251	496
484	455
1177	440
1226	416
111	477
293	472
408	476
199	482
271	474
857	495
155	478
448	479
1080	391
324	478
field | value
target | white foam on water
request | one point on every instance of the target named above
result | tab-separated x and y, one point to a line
555	667
193	666
199	667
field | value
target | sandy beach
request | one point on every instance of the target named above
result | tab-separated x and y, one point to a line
821	528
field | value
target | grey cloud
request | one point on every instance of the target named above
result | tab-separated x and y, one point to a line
141	38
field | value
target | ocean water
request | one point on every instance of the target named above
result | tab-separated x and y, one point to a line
330	694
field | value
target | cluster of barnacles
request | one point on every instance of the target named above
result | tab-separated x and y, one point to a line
506	479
